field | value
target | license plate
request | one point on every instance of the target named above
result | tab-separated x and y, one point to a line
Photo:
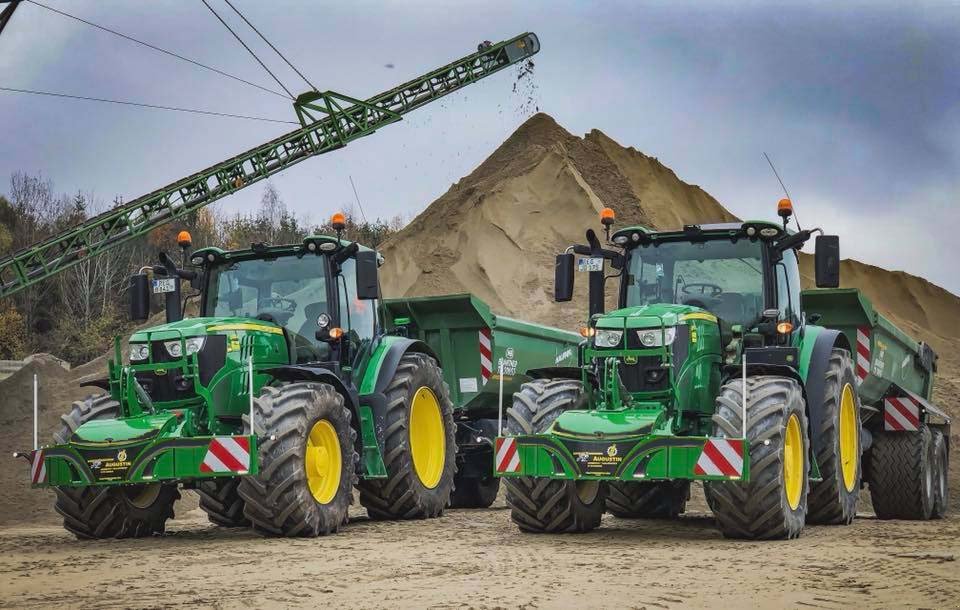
590	264
164	285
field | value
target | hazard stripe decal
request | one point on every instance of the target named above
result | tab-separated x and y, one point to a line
227	454
38	468
486	355
720	458
901	414
508	458
863	353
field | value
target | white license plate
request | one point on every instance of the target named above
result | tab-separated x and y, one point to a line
164	285
590	264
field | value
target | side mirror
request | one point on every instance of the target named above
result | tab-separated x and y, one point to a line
367	285
563	278
827	261
139	297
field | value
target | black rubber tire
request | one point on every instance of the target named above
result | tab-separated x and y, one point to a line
96	511
830	503
542	505
278	501
758	509
401	495
941	484
474	492
902	474
648	499
220	499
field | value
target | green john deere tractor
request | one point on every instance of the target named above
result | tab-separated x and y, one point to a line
713	368
295	384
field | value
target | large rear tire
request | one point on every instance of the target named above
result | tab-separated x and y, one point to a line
941	490
220	499
128	511
541	505
833	500
648	499
307	462
773	504
902	474
419	447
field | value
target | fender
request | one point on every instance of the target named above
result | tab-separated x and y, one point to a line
307	372
814	360
102	383
555	372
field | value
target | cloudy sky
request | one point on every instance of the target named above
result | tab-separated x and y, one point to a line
858	105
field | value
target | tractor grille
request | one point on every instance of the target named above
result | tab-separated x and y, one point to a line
164	387
647	375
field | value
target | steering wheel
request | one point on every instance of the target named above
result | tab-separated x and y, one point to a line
715	290
285	305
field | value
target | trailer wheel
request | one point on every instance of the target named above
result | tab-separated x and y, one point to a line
220	499
773	504
902	474
307	461
541	505
833	500
94	511
648	499
941	490
474	492
419	447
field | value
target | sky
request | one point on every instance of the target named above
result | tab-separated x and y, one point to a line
856	104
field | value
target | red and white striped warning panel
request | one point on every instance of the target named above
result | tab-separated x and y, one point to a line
720	457
901	414
486	354
508	459
38	468
863	353
227	454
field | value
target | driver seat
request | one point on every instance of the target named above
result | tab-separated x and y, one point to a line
730	307
303	343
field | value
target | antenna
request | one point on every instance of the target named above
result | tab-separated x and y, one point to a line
784	187
360	205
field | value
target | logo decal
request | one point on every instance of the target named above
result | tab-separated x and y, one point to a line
122	455
612	451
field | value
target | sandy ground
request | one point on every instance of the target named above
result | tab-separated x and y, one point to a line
477	559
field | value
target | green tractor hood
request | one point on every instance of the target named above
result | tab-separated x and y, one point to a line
199	327
652	316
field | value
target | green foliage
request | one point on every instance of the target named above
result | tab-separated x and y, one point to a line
13	334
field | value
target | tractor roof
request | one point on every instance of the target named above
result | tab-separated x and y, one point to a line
641	234
323	243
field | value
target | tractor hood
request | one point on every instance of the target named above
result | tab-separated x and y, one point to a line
199	327
653	316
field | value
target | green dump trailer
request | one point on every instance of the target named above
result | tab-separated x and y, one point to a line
714	367
485	356
294	385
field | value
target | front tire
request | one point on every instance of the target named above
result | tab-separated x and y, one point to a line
941	489
419	447
220	499
307	462
542	505
96	511
833	500
773	504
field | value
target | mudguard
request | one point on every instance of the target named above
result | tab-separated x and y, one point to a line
307	372
815	378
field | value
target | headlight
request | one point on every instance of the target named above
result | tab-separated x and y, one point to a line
656	337
139	351
194	344
607	338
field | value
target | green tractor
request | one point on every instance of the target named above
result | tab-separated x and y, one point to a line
294	385
282	395
713	368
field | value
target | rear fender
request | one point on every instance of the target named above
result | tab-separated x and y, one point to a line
372	410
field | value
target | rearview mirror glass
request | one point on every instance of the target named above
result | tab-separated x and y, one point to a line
563	279
827	261
367	285
139	297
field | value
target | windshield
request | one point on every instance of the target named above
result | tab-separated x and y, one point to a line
723	277
288	290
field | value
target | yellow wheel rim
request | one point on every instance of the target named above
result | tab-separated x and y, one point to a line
849	438
322	461
428	442
793	462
